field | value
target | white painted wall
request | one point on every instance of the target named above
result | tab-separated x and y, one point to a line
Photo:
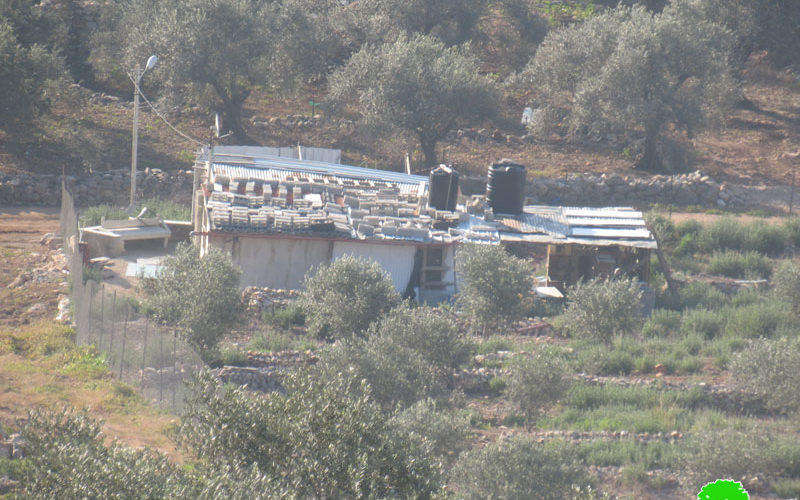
397	260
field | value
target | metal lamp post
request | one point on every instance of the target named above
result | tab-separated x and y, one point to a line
137	77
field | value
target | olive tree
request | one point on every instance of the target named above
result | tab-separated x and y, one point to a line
408	355
631	71
197	295
518	467
342	299
28	74
602	308
494	285
768	369
324	438
537	383
215	52
416	85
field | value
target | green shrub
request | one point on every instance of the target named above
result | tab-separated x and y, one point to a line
791	228
751	265
275	341
662	323
600	359
95	214
786	283
786	488
705	322
493	344
722	234
761	319
341	300
408	356
325	437
686	246
693	295
600	309
518	467
67	458
285	317
768	369
495	286
198	296
536	383
764	238
166	209
662	227
688	227
448	431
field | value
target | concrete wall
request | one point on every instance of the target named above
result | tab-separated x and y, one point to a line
276	263
397	260
283	263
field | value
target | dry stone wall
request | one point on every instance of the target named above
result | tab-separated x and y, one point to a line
605	190
112	187
109	187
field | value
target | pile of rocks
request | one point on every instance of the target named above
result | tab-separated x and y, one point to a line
266	369
262	298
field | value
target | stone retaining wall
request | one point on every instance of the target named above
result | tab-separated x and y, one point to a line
615	190
110	187
113	187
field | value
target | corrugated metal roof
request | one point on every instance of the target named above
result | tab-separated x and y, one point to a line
267	167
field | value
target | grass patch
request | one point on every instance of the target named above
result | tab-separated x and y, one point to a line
36	340
750	265
166	209
274	341
86	363
493	344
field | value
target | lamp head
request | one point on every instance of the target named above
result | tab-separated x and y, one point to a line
151	62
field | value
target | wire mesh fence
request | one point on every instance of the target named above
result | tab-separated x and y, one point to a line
139	351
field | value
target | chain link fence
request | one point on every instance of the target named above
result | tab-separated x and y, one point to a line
139	351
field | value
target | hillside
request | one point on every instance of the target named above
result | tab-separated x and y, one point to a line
757	144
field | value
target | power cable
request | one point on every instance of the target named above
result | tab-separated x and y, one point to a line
136	86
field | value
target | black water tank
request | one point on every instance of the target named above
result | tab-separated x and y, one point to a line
443	188
505	191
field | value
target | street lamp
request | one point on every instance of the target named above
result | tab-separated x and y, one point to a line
137	77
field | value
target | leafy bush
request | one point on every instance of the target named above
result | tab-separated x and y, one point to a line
166	209
407	356
446	430
737	265
696	294
686	246
198	296
688	227
518	467
494	285
493	344
324	438
342	299
662	227
765	238
786	283
536	383
285	317
791	228
723	234
600	309
768	369
761	319
67	458
662	323
708	323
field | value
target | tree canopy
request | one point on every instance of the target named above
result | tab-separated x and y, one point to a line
629	70
416	85
216	51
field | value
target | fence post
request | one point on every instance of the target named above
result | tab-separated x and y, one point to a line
144	353
161	368
174	366
102	316
91	306
124	335
113	325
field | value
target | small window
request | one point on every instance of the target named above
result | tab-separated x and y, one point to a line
433	276
434	257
